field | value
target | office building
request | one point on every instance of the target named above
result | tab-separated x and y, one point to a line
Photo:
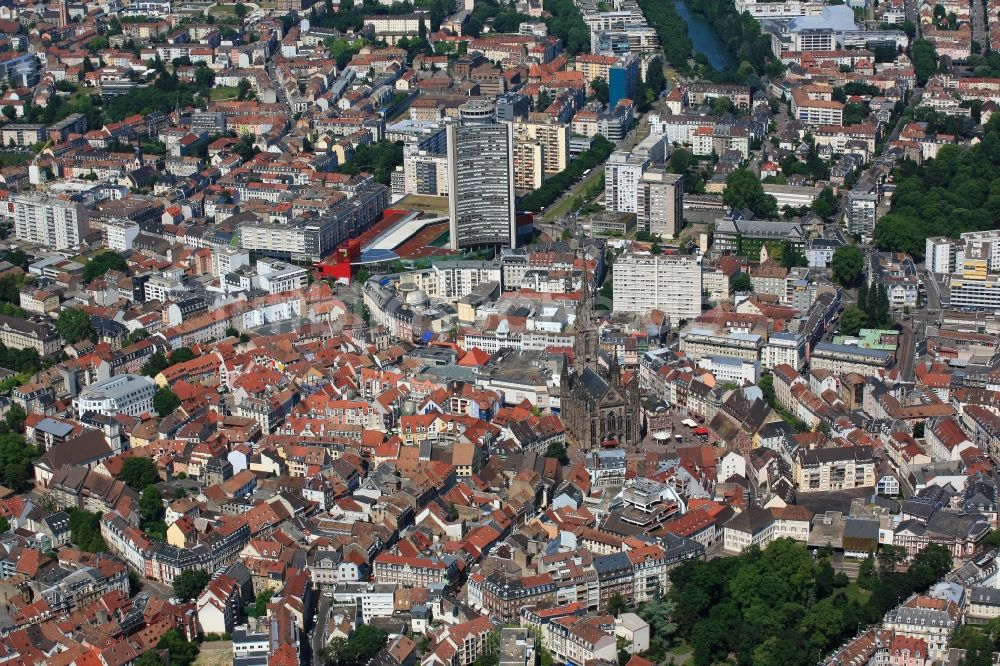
746	237
670	283
57	223
18	333
975	294
512	106
622	79
481	179
660	205
122	394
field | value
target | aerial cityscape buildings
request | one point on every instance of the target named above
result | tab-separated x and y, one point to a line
480	333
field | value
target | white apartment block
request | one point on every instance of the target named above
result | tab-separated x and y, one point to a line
939	254
716	283
49	221
843	359
820	470
697	343
660	204
277	276
784	9
375	599
122	394
528	164
401	24
726	369
759	527
228	260
622	174
425	172
670	283
553	139
784	348
453	280
120	235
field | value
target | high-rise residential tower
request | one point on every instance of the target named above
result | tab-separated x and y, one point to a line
481	179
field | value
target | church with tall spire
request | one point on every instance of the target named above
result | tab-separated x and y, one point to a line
597	407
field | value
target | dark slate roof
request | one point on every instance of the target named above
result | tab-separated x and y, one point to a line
593	383
613	563
860	528
752	520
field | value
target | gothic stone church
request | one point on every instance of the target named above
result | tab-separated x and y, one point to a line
596	407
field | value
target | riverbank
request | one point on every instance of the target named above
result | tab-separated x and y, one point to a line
704	40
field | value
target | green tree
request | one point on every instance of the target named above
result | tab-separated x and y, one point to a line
825	580
599	90
848	266
924	57
564	20
74	326
85	530
4	525
16	458
135	336
182	652
929	566
15	418
889	557
741	282
151	504
379	159
867	576
138	472
617	605
791	256
155	364
259	607
825	204
852	321
744	190
190	584
102	263
165	401
658	613
358	650
151	658
181	355
98	44
656	82
557	450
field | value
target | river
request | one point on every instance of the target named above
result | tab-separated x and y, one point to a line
705	41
